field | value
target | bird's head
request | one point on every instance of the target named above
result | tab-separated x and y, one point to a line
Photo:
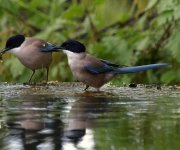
13	42
73	46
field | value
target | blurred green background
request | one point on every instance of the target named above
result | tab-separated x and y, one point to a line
128	32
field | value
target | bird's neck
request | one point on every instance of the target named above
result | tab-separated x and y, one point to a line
15	51
72	55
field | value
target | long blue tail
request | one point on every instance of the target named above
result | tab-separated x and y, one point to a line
134	69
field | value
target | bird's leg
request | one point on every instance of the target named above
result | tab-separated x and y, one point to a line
87	86
47	72
33	71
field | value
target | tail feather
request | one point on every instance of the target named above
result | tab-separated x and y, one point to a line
134	69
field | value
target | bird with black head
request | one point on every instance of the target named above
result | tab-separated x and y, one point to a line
92	71
29	51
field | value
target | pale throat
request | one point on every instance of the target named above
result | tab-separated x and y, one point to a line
73	58
72	55
15	51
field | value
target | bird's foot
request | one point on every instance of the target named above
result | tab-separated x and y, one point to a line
87	86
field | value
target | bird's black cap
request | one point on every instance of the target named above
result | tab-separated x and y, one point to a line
14	41
73	46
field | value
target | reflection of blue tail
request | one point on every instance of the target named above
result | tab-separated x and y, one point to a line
134	69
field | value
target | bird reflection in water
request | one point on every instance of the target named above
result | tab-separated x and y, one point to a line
43	122
81	121
34	123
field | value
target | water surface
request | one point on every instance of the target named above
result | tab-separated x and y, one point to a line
63	116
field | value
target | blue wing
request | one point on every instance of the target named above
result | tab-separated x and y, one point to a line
107	66
98	70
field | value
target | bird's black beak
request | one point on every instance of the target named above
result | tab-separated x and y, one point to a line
58	48
4	50
51	48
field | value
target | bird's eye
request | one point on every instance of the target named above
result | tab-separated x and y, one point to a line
44	45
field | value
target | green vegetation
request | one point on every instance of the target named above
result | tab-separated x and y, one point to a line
129	32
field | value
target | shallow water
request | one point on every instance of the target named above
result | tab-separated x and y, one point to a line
63	116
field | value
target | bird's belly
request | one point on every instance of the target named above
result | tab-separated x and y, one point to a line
90	79
37	61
